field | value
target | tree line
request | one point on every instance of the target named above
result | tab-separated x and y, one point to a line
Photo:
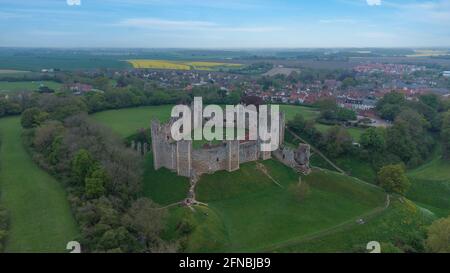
101	176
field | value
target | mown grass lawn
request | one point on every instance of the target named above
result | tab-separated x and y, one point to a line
40	216
126	122
399	221
292	110
430	185
163	186
251	212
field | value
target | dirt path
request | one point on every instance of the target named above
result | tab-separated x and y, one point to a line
263	169
340	227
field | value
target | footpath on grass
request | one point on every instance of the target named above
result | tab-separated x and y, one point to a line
342	226
40	215
317	151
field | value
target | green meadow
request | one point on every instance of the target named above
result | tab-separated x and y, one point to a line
27	85
40	216
126	122
248	212
430	186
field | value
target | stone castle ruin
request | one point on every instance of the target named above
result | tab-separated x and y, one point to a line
182	158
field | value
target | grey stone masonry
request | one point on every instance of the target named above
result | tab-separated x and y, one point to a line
181	158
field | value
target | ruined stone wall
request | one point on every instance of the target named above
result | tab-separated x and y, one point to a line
295	158
164	151
248	151
233	155
282	127
184	164
181	158
210	160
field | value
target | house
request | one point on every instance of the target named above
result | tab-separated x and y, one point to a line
79	88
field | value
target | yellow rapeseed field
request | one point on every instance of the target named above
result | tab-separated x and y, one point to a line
179	65
158	64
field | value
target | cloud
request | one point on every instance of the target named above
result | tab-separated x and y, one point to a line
74	2
165	24
337	21
162	24
373	2
426	12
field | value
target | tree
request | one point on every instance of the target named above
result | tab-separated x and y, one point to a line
327	104
33	117
408	138
95	183
445	134
373	139
82	165
147	219
390	105
432	100
393	179
344	114
297	123
337	141
438	240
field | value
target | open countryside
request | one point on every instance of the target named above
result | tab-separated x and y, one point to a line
181	65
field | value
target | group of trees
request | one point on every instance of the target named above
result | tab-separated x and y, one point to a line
132	97
3	227
445	133
102	178
412	136
438	240
335	142
332	113
127	92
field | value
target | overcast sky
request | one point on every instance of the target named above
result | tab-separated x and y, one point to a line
225	24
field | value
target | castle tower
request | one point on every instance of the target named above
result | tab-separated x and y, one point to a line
233	155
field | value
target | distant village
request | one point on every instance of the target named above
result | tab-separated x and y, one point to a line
369	83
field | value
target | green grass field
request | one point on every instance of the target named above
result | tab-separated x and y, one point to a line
292	110
27	85
354	132
396	223
40	216
249	212
430	185
163	186
126	122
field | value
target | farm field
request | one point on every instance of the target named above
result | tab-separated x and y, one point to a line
180	65
27	85
40	216
428	53
11	71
